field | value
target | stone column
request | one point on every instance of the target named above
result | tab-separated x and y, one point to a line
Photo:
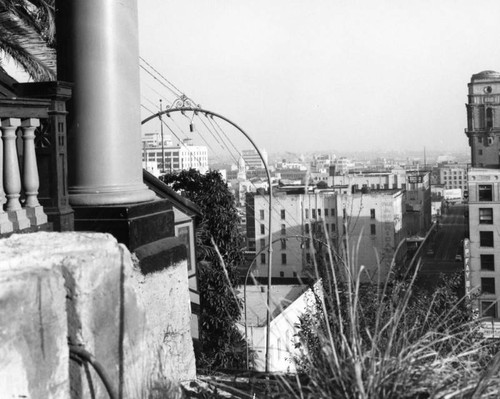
98	51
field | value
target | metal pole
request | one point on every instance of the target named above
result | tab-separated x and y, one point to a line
269	264
162	141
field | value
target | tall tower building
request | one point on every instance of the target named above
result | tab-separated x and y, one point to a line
483	119
482	248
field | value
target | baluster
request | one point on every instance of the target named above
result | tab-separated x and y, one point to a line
5	223
31	182
11	174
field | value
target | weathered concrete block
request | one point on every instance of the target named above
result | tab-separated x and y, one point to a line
34	355
83	287
165	293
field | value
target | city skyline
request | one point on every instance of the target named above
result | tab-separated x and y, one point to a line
377	74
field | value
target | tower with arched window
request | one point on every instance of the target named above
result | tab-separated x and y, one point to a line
483	119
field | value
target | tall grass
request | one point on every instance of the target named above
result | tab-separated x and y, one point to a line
391	339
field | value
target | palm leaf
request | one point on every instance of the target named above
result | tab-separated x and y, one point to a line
22	41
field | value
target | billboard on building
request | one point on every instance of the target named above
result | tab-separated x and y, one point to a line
453	194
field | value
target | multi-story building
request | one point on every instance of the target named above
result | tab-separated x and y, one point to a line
453	176
252	158
172	158
483	261
293	219
482	250
418	202
368	225
374	225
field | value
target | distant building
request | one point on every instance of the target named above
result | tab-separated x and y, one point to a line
418	203
253	160
374	225
294	216
453	176
172	158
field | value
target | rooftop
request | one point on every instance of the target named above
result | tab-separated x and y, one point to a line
485	75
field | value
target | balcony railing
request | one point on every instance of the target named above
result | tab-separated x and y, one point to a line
33	159
19	182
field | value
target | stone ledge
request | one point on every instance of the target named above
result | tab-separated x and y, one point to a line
161	254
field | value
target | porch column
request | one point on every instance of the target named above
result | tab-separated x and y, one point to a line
98	51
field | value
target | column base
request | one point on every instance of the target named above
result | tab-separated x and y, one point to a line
19	219
5	224
36	215
133	225
83	196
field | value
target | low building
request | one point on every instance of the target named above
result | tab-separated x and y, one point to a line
288	303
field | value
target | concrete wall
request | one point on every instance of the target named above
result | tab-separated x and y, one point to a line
84	289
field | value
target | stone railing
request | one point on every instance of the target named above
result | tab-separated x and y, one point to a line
19	181
33	171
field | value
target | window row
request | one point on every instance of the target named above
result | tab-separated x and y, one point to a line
314	212
263	259
329	227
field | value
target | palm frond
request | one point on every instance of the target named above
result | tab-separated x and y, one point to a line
20	40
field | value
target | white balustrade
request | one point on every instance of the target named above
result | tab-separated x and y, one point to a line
31	181
11	173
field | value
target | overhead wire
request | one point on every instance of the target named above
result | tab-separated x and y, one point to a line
219	132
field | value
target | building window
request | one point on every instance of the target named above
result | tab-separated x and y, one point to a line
262	243
327	227
488	262
332	212
313	213
263	258
333	227
485	215
486	238
373	229
480	152
489	309
282	214
489	117
488	285
262	229
372	213
282	274
479	139
283	259
485	192
306	228
294	274
326	212
344	213
251	245
283	244
283	229
261	212
319	213
307	213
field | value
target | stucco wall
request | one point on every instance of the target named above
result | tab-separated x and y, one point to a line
85	289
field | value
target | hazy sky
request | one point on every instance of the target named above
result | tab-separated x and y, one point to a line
326	74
